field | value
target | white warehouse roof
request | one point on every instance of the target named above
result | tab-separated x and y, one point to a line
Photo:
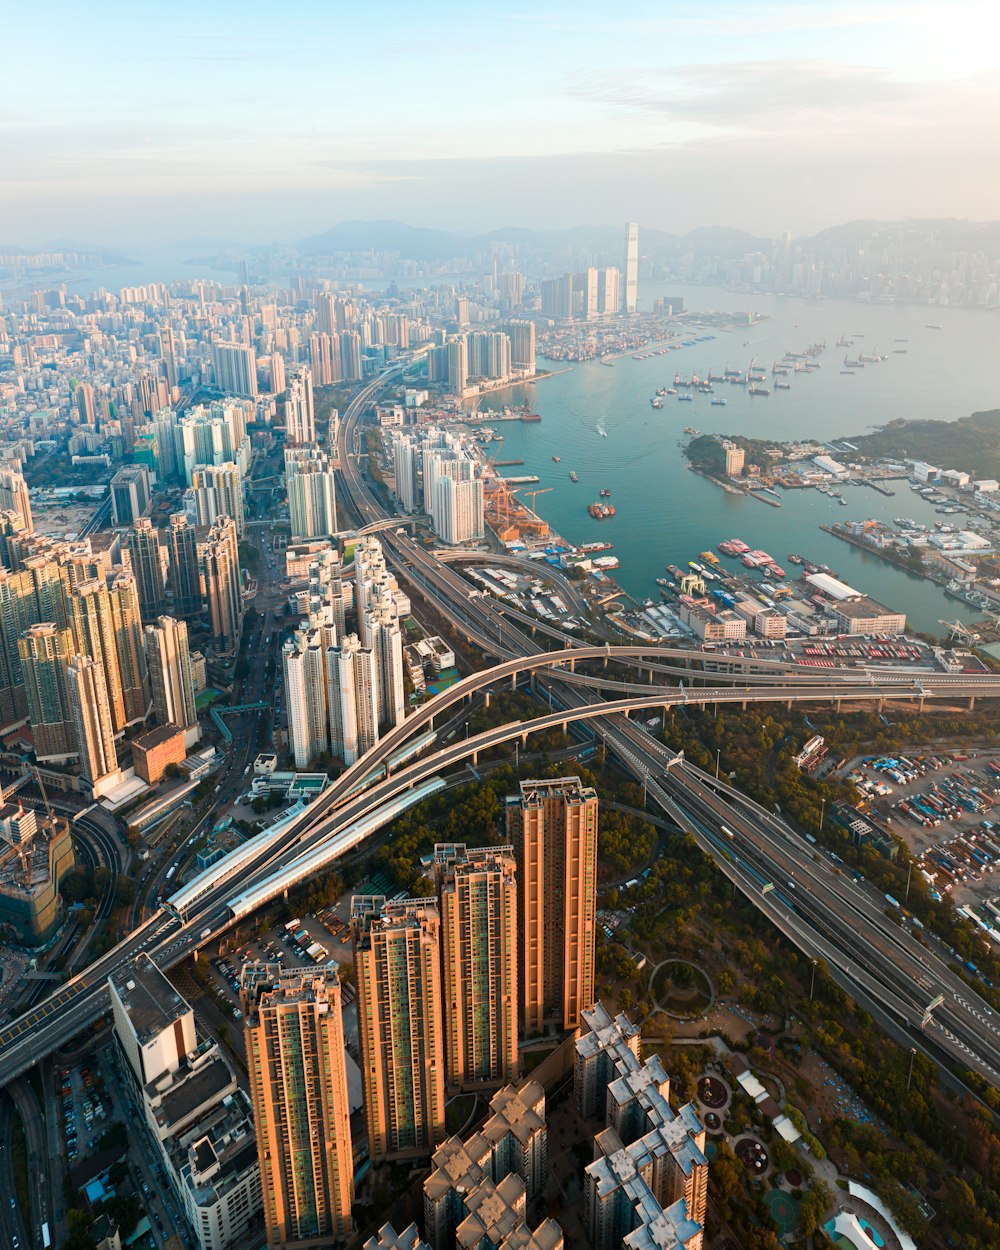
832	587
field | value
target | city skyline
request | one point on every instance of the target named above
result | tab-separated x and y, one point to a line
674	117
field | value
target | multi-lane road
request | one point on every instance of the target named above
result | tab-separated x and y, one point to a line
817	910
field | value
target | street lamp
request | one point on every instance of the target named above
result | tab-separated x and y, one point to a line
466	731
909	874
909	1075
822	813
718	753
812	983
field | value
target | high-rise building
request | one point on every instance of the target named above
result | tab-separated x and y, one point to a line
44	652
477	897
304	659
300	417
458	365
648	1184
126	621
221	563
95	741
453	495
130	494
169	446
85	408
298	1081
147	566
312	503
609	300
218	492
214	435
14	497
235	369
552	826
522	346
169	660
631	267
585	287
168	354
184	581
386	641
350	356
94	634
352	685
735	459
397	965
18	612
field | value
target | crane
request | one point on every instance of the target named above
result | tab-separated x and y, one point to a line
957	630
45	799
535	493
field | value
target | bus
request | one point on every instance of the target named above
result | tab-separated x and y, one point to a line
46	1239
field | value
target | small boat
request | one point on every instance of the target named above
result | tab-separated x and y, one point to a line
685	399
574	476
782	386
671	390
556	459
656	402
605	493
718	403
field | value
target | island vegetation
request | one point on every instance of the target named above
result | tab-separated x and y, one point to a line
707	454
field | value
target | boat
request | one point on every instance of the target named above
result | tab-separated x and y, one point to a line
782	386
556	459
574	476
930	327
603	433
709	556
674	571
656	402
689	429
683	398
718	403
759	390
843	502
795	559
601	511
671	390
664	582
605	493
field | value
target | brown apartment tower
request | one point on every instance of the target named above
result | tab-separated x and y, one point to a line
397	966
298	1083
552	826
477	895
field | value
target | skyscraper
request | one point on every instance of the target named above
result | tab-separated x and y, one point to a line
126	621
220	559
235	369
168	355
14	497
609	298
386	641
458	365
94	634
397	963
85	404
631	267
169	660
300	418
184	582
352	684
312	504
88	704
147	567
130	494
218	492
298	1081
44	651
552	826
304	659
18	611
477	897
453	495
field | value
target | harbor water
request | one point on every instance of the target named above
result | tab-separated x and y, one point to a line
597	418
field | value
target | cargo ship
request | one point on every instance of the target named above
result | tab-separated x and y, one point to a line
601	511
674	571
733	547
709	557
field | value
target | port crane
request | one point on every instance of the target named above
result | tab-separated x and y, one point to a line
957	630
534	493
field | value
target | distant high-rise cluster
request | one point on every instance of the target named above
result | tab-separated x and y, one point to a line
582	296
631	297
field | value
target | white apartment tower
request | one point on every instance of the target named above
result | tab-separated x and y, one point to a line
353	698
300	417
631	267
88	703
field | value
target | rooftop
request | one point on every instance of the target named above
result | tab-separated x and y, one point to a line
150	1001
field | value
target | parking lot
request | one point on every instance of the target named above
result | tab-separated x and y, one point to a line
943	805
85	1111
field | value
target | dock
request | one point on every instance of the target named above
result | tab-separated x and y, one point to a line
525	479
506	464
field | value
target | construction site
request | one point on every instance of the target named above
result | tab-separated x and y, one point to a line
509	517
35	856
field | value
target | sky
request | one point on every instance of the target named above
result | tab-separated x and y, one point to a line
141	123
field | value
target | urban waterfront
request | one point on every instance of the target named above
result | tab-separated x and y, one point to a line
598	420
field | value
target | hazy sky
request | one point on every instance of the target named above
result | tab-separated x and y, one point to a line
138	122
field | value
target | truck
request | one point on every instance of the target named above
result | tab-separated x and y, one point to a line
206	933
292	925
46	1239
891	901
317	953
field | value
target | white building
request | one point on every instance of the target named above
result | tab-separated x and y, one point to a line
312	502
631	267
300	416
235	369
353	698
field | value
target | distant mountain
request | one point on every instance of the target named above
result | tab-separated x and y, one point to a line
412	242
947	234
723	240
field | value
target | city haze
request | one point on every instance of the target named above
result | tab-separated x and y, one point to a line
149	126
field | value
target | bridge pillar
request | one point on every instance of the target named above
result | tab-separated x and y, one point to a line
524	741
920	704
880	706
605	661
572	666
486	699
564	725
531	681
513	681
475	758
972	701
836	705
789	705
744	705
